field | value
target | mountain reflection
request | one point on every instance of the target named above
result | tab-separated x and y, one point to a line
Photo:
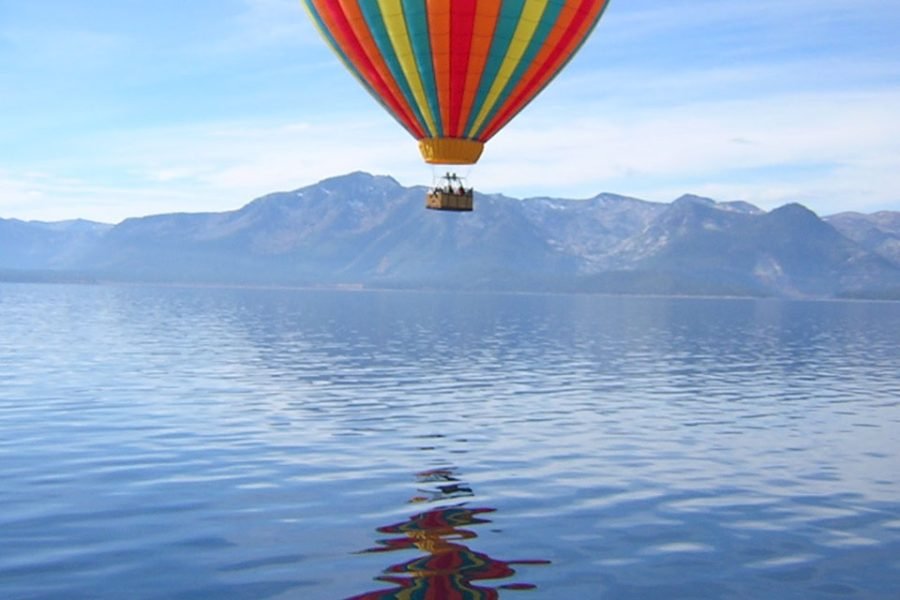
449	568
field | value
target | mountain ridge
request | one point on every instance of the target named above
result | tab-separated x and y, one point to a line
366	230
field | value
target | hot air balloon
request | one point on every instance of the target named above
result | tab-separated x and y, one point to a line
454	72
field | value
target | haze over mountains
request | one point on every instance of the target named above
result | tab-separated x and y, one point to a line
369	231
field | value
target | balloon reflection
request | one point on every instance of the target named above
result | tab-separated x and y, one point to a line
449	567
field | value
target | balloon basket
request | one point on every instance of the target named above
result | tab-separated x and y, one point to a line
450	195
446	201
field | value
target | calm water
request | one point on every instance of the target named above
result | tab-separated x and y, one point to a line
215	443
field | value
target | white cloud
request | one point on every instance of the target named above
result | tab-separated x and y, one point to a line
52	197
832	152
815	147
649	18
269	23
209	167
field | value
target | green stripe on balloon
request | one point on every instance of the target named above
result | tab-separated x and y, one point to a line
420	41
510	13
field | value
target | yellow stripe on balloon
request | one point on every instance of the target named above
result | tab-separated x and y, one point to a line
527	25
395	23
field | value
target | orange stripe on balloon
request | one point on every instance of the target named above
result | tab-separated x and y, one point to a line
573	26
439	32
486	15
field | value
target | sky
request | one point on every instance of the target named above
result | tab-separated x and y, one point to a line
118	108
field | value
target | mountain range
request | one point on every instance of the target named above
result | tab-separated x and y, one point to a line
368	231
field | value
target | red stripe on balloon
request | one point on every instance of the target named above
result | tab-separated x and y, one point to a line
476	50
462	27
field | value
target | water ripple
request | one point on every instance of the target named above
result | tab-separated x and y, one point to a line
195	443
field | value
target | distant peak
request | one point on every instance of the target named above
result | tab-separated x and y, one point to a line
610	197
352	176
741	206
357	178
72	225
795	215
735	206
793	208
693	199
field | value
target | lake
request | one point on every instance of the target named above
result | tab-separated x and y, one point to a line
166	442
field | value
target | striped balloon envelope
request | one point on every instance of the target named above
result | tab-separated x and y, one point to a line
454	72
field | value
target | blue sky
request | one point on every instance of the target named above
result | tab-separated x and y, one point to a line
118	108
